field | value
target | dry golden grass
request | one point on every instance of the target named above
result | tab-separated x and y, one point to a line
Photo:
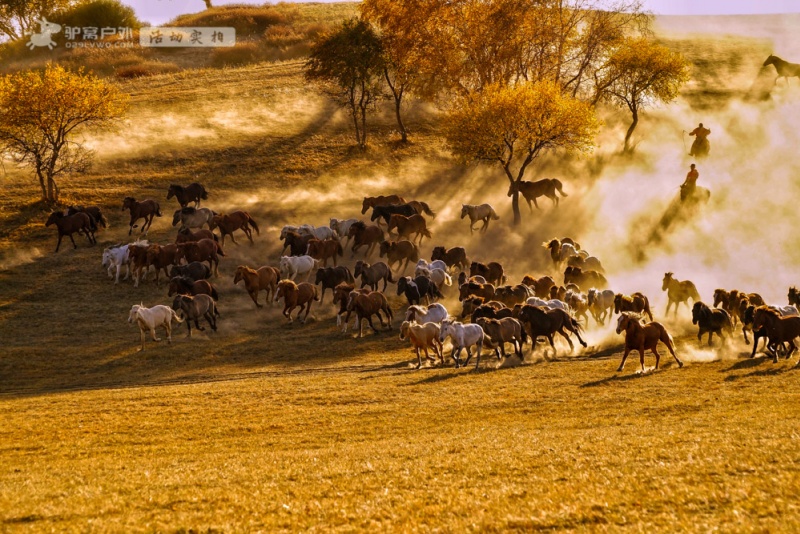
268	426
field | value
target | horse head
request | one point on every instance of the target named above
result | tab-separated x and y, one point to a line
55	216
127	203
770	61
172	190
622	322
464	210
513	188
666	281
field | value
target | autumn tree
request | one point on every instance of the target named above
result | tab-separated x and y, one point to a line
21	17
42	117
348	64
642	73
514	125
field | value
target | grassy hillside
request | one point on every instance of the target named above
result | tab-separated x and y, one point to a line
269	426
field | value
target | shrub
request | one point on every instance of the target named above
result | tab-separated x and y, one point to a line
100	14
240	54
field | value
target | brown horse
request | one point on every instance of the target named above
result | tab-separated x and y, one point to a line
548	322
478	290
146	209
230	222
511	295
779	329
331	277
191	193
294	295
185	235
575	275
363	235
322	250
381	200
137	252
94	212
502	331
296	243
367	305
371	275
341	295
397	251
422	208
678	292
637	303
711	321
195	307
492	272
69	224
643	337
203	250
255	280
161	257
183	285
453	257
541	286
407	226
533	190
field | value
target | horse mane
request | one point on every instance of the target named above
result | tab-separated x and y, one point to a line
361	225
769	311
633	315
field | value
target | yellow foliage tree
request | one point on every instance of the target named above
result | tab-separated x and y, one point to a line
42	114
641	73
513	125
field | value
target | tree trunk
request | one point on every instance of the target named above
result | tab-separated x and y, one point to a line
40	176
515	208
628	149
397	93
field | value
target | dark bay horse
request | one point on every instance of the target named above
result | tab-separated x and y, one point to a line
532	190
190	193
70	224
146	209
784	68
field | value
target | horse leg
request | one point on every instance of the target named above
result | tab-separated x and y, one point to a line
485	224
536	204
710	335
74	246
142	336
254	296
419	359
232	239
211	321
566	336
308	310
669	303
371	325
530	206
624	357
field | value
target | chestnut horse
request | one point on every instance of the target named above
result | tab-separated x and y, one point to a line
323	249
381	200
453	257
255	280
191	193
367	305
779	329
397	251
185	235
294	295
230	222
363	235
146	209
408	226
643	337
161	257
69	224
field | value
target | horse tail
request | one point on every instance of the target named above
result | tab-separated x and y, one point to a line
316	293
175	315
448	280
102	220
214	294
647	308
523	334
339	249
253	224
558	185
350	278
495	216
389	278
158	210
576	325
427	210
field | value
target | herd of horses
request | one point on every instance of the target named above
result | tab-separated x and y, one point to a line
494	311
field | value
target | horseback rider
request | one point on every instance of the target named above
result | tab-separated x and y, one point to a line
689	185
700	146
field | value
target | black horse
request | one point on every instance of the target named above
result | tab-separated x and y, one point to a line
191	193
713	321
417	288
784	68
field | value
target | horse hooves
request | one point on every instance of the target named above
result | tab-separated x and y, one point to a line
680	364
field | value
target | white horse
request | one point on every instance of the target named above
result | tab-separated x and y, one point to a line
437	276
483	212
435	264
116	257
292	266
786	311
150	318
324	232
601	304
435	313
342	227
552	304
464	336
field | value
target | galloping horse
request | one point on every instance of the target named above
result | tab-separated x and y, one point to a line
532	190
678	292
784	68
483	212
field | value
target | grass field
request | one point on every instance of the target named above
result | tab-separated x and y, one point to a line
265	426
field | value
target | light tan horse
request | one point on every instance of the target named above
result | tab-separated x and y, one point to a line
482	212
255	280
532	190
678	292
424	337
643	337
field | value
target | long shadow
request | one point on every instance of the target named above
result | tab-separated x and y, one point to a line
616	378
747	363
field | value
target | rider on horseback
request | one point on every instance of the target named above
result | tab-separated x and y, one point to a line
690	184
700	146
